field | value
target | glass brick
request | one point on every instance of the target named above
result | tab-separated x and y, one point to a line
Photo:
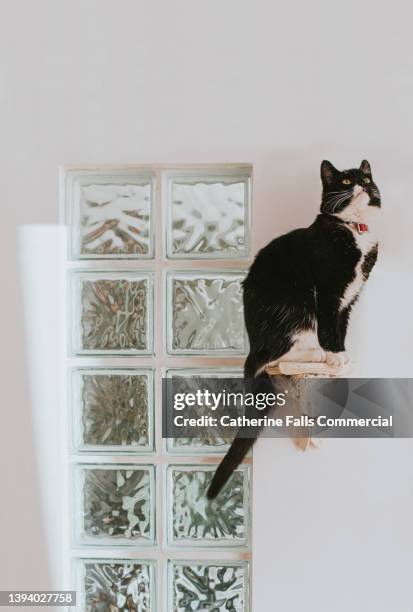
115	504
193	520
110	214
214	586
112	313
112	410
189	381
205	313
116	584
208	217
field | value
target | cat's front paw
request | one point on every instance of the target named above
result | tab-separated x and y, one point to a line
337	360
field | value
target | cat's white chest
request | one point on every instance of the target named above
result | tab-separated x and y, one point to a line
365	242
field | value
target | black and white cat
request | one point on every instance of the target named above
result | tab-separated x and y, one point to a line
300	290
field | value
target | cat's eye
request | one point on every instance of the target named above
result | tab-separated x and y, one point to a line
366	179
346	182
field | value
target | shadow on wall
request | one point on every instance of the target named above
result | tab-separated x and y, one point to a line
23	560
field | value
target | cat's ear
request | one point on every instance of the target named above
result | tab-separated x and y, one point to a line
365	167
327	172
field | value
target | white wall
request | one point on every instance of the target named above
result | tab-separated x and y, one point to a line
281	85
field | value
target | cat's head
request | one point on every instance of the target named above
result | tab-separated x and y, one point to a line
348	193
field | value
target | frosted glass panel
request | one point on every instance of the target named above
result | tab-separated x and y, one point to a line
116	504
110	214
190	380
212	443
208	586
205	313
193	520
112	313
113	410
208	218
121	585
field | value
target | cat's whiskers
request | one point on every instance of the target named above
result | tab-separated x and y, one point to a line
335	201
331	201
343	199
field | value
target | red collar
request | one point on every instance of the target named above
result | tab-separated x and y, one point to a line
362	228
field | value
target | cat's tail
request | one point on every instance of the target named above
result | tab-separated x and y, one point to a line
241	444
238	450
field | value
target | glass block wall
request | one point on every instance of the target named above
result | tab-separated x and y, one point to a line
156	258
